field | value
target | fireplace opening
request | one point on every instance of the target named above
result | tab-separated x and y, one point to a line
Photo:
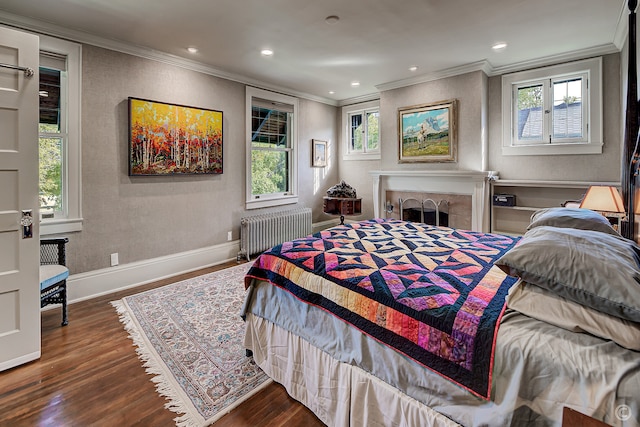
421	211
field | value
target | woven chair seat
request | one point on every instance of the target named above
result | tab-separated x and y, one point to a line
52	274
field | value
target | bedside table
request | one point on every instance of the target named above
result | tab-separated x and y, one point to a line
341	206
573	418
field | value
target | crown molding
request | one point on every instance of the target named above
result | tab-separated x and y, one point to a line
45	28
622	29
437	75
40	27
555	59
359	99
486	67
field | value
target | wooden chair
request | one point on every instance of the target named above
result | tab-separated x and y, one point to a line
53	274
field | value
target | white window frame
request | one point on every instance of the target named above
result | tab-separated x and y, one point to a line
71	218
591	69
347	112
290	197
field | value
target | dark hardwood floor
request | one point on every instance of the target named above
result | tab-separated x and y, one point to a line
90	375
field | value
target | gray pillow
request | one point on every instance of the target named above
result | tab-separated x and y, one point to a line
579	218
591	268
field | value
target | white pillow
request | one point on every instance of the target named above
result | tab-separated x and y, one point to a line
541	304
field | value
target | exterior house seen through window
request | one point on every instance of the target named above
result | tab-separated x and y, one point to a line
558	117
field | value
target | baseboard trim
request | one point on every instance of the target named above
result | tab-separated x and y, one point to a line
91	284
19	361
319	226
96	283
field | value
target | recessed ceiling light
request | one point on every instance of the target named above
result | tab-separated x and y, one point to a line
192	49
355	84
332	92
413	68
499	46
266	52
332	20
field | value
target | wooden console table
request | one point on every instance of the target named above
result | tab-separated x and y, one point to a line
341	206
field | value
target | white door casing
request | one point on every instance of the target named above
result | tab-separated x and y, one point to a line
19	258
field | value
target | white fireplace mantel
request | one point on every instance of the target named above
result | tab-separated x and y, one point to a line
468	182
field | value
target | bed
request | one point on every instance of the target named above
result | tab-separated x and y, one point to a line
319	338
390	323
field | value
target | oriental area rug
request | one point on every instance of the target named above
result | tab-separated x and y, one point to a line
189	336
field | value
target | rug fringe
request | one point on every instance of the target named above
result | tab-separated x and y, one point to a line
162	384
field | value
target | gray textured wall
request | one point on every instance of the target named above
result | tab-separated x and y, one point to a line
147	217
468	89
480	133
589	167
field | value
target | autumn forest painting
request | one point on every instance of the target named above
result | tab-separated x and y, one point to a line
167	139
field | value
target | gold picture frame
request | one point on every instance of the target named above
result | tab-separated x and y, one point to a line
428	132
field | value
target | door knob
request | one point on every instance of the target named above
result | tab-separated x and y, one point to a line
27	224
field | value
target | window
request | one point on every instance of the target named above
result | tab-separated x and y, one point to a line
553	110
362	136
271	144
59	136
52	138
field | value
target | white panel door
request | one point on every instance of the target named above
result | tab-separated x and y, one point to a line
19	257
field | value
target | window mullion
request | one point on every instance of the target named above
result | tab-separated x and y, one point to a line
547	102
365	131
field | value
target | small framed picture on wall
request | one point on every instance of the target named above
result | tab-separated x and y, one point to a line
319	153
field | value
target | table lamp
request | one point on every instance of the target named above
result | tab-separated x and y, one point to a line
606	200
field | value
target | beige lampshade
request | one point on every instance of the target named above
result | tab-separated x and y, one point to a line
603	198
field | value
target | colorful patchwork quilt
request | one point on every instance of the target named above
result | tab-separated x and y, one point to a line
431	293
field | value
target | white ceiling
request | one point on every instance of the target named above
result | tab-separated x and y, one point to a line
374	42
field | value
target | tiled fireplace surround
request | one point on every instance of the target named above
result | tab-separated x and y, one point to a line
466	191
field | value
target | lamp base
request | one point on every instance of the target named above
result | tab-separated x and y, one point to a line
626	230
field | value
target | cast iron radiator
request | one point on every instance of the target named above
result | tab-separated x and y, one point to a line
261	232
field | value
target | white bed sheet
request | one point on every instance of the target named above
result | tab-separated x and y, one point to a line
338	393
538	370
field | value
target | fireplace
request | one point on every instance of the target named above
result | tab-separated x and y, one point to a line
428	211
465	192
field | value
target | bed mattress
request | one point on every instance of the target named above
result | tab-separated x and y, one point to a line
538	368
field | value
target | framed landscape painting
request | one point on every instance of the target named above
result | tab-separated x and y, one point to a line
168	139
427	133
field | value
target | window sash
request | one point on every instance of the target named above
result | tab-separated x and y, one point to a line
361	140
270	127
58	131
560	115
535	123
373	139
261	185
356	132
270	133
